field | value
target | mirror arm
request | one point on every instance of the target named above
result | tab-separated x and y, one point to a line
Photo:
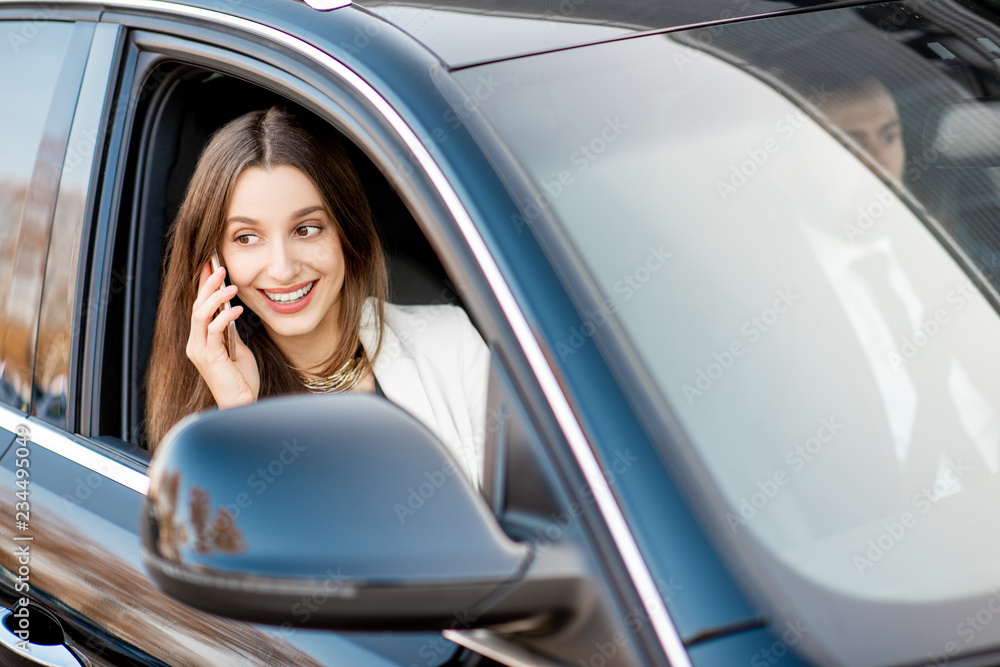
555	586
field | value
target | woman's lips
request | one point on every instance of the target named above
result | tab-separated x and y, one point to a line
291	306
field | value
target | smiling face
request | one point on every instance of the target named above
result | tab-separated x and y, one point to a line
282	250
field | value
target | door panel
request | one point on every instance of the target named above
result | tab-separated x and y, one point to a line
85	563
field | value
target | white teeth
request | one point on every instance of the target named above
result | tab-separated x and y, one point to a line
290	297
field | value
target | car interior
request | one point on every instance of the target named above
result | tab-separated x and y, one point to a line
184	106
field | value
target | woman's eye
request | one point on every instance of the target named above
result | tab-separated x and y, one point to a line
246	239
306	231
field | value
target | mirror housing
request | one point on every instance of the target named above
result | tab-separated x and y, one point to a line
333	511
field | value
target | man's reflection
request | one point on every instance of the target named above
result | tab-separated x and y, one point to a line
868	114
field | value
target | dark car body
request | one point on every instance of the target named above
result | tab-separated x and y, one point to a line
450	108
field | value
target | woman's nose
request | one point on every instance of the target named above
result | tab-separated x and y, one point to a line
282	263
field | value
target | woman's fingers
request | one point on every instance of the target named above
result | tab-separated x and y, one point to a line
206	311
231	383
208	283
222	320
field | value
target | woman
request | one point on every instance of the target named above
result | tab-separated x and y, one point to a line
286	213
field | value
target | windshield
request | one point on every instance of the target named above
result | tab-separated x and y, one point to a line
795	222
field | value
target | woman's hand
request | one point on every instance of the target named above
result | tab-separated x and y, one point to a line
231	382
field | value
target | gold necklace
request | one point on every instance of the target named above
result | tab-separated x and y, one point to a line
344	378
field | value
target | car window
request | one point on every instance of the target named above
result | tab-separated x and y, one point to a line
794	221
177	125
60	322
30	163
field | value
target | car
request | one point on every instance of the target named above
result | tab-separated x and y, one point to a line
737	265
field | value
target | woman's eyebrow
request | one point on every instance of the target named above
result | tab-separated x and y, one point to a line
306	211
242	219
301	213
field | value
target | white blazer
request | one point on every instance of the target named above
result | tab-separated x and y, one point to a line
435	365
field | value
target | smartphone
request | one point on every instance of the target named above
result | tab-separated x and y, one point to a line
231	329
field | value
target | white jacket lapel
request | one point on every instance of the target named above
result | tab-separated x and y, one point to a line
397	371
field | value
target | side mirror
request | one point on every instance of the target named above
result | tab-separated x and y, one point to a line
254	511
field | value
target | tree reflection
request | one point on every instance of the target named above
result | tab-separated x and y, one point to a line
218	534
208	533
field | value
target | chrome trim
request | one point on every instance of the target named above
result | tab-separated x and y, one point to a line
327	5
488	644
622	535
55	441
42	655
222	581
620	531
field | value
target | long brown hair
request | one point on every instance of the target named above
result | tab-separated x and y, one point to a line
266	139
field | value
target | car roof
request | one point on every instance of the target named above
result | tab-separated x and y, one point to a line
463	33
469	32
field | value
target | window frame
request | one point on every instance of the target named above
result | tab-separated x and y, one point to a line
150	44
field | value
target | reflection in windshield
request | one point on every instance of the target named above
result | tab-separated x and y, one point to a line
820	329
867	113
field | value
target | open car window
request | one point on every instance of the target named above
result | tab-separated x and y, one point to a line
182	107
